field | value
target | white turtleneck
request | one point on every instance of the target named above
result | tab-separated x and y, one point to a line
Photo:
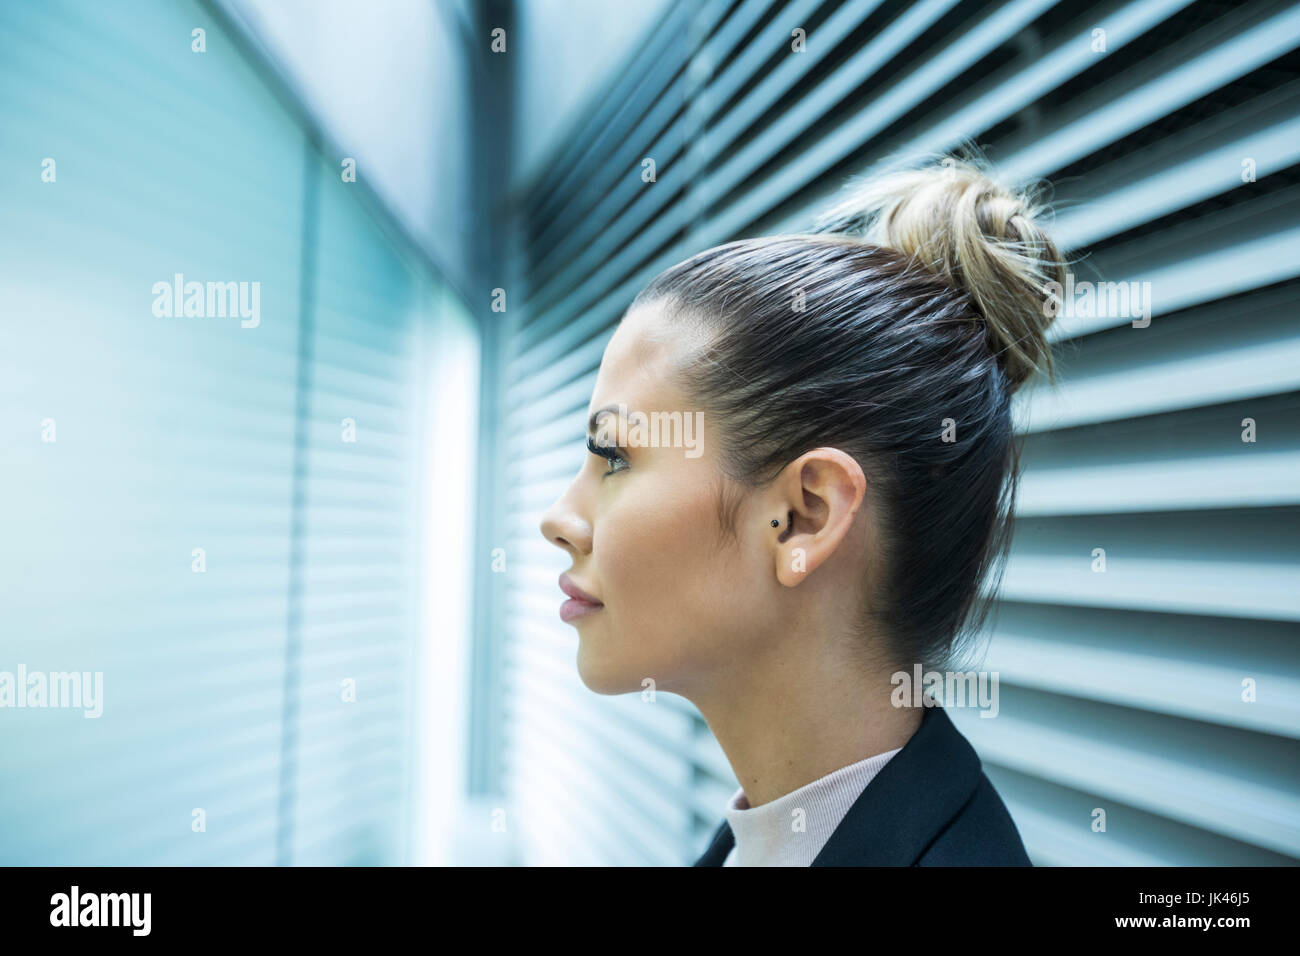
791	830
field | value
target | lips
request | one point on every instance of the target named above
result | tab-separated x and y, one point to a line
580	603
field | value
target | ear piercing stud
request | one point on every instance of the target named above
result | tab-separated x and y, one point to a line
775	523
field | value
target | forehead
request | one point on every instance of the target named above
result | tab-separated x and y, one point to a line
640	359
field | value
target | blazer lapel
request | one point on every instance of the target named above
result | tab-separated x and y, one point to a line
910	801
904	807
721	844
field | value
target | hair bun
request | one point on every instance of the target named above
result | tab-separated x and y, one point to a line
983	238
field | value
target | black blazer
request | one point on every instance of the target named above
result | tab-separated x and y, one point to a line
931	805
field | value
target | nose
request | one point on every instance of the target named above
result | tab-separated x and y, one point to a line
565	528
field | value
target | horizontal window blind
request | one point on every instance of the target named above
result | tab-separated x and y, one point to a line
172	437
1169	130
184	507
359	581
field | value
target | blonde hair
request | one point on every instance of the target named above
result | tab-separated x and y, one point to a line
954	219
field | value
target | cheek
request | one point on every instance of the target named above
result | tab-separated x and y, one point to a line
664	573
641	547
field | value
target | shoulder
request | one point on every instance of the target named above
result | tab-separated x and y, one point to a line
981	834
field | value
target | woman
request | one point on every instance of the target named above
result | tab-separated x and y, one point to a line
831	523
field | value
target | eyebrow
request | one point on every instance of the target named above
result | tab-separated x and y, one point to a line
594	418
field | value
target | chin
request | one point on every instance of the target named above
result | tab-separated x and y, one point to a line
606	677
600	680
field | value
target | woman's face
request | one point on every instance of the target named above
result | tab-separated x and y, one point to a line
677	601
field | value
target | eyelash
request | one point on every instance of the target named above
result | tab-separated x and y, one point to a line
610	453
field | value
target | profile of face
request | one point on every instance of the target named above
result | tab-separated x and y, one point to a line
642	530
679	602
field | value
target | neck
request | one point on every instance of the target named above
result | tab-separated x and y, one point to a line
799	710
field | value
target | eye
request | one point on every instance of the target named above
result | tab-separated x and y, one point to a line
611	453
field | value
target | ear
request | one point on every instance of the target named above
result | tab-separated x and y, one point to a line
818	493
